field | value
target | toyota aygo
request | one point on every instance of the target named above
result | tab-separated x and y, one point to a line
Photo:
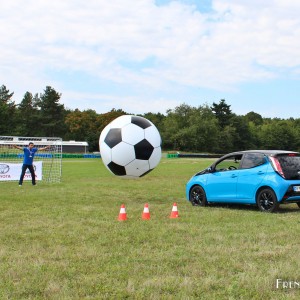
266	178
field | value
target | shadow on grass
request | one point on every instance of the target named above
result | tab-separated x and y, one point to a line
283	208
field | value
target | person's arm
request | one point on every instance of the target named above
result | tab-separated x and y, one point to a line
44	148
15	146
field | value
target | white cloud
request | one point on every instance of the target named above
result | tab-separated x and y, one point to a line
237	42
131	104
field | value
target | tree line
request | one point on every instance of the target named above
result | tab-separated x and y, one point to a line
210	129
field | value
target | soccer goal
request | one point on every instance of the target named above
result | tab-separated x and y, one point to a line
47	163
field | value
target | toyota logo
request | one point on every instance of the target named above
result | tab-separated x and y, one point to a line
4	168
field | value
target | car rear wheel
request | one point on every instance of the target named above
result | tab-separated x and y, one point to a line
198	196
267	201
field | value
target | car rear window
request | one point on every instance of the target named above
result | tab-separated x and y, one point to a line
290	165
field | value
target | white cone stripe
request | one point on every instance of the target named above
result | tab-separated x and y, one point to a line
122	210
174	208
146	209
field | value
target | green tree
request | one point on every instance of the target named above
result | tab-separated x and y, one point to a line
28	115
7	112
226	138
254	117
254	133
52	113
87	125
82	126
175	126
278	134
156	118
242	139
188	128
206	129
104	119
222	112
295	124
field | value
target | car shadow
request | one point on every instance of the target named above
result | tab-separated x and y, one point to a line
283	208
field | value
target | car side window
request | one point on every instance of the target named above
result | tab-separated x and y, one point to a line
251	160
229	163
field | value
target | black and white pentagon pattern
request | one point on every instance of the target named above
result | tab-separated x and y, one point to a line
141	122
130	146
113	137
152	136
132	134
116	123
122	154
137	168
143	150
116	169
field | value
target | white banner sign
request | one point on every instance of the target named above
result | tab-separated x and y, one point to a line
10	171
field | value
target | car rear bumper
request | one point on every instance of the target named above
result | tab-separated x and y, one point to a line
291	196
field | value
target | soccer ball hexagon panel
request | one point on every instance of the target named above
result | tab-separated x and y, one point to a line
130	146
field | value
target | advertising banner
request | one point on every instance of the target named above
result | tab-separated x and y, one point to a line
11	171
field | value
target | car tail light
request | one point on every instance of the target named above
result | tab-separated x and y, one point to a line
277	166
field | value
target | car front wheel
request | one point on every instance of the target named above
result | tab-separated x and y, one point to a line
267	201
198	196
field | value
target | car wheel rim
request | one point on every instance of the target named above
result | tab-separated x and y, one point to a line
266	201
197	196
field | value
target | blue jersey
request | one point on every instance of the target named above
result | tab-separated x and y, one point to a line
29	155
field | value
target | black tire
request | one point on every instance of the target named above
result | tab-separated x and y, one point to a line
266	200
198	196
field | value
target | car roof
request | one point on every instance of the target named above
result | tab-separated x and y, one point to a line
267	152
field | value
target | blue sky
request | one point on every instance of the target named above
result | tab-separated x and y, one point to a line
153	55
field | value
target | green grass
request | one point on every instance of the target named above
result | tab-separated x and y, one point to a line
63	241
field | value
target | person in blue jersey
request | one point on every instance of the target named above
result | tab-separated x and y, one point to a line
29	153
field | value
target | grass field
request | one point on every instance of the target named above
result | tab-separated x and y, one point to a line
63	241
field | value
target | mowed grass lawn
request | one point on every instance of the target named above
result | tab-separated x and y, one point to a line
63	241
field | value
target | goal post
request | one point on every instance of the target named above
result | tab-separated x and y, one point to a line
48	163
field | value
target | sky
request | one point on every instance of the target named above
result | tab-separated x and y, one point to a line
153	55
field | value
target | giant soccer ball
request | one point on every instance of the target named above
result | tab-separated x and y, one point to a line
130	146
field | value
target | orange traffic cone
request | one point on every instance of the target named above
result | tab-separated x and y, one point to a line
122	214
146	212
174	212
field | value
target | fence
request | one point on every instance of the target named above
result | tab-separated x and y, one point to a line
46	155
193	155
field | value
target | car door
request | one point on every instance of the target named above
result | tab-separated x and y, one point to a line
253	169
221	183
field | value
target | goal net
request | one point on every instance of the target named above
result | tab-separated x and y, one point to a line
47	163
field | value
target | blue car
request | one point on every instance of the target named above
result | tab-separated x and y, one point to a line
266	178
